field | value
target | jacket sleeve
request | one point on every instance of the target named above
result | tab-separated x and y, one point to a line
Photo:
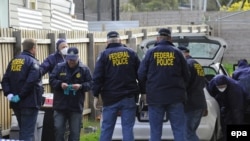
46	66
53	78
98	75
142	72
6	82
185	69
88	82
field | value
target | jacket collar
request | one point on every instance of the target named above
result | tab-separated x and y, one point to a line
112	45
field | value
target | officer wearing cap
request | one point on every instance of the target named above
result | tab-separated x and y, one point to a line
196	104
115	79
46	67
70	80
164	72
231	98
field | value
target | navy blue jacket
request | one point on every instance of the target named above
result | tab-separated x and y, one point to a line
63	74
232	100
242	71
242	75
115	74
50	62
195	94
165	72
23	78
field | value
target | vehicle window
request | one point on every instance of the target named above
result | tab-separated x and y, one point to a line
209	72
198	49
202	50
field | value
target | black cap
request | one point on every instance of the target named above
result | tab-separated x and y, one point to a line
72	54
112	34
164	32
183	49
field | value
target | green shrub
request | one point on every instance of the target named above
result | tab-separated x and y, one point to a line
229	68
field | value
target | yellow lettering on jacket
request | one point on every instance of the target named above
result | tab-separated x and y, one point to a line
164	58
199	69
119	58
17	64
62	74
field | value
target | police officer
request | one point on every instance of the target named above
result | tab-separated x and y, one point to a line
46	67
115	79
242	75
196	104
23	87
70	80
53	59
165	72
231	98
242	71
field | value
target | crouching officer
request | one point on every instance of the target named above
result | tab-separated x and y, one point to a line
231	98
70	80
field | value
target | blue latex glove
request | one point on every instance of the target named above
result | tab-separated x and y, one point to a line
71	88
66	91
15	99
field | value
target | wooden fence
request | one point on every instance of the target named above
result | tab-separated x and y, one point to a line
90	44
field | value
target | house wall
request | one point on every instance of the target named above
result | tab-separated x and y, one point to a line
4	16
45	8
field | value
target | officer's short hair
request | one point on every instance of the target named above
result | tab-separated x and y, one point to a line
28	44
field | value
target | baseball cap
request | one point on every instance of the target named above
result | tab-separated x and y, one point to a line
112	34
164	32
59	42
184	49
72	54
